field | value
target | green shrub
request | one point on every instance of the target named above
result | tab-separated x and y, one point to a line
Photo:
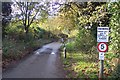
85	42
116	73
70	46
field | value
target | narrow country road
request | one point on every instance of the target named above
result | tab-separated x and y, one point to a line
44	63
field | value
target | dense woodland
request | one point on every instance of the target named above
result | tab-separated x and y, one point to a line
36	24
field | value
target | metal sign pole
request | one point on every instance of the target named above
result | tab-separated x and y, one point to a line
101	69
101	58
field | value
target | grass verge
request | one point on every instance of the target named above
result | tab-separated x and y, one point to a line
78	65
86	66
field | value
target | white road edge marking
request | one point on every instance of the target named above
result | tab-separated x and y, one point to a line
52	52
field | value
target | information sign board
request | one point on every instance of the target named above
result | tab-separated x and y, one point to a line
102	34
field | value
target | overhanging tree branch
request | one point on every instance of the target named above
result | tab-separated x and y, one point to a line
33	18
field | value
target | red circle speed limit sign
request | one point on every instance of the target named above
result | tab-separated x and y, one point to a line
102	47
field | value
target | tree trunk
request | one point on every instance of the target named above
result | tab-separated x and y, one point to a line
26	33
26	30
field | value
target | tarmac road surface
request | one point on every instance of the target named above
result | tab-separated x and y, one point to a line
44	63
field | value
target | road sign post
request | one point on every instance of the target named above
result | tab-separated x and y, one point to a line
102	47
101	58
102	38
65	52
101	69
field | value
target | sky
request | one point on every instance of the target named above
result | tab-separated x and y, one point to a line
62	0
53	9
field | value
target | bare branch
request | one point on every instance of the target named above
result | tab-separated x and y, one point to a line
33	18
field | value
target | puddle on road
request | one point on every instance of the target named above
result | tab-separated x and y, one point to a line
44	51
51	48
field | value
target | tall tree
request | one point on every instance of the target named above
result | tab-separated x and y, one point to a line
114	10
87	17
6	11
29	11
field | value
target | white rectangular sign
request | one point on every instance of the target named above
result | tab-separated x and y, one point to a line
101	55
102	34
